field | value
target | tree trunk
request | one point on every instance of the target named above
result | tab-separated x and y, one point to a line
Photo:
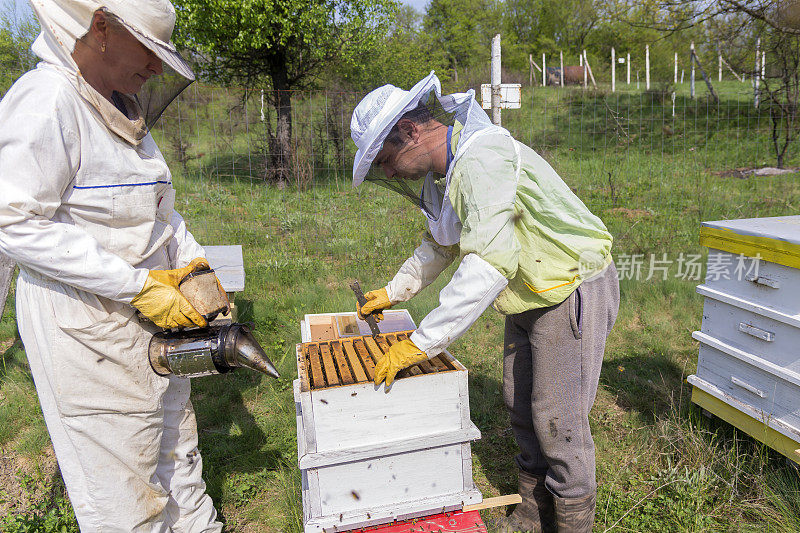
281	143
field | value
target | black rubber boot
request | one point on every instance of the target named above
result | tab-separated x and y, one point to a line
575	515
536	513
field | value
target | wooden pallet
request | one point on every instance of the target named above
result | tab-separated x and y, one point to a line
345	361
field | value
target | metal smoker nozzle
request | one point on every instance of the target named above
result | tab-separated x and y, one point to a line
249	353
207	351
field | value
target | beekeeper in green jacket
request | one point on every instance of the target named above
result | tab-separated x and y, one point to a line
527	246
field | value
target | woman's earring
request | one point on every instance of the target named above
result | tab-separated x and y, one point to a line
103	47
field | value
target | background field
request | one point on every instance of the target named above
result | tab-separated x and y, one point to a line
651	176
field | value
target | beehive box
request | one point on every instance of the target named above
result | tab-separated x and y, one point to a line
748	370
368	456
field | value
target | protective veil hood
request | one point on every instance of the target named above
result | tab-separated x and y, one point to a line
380	110
63	22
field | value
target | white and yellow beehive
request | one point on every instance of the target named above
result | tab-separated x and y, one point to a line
748	370
367	456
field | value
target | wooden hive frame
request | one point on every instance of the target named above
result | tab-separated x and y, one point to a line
335	363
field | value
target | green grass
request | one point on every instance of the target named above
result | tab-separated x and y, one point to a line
661	465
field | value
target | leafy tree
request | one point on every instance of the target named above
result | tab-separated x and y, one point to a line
403	57
463	30
17	32
286	43
552	25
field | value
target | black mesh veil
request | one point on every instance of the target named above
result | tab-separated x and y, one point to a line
425	191
158	92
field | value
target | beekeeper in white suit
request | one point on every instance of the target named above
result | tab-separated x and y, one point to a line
528	247
87	213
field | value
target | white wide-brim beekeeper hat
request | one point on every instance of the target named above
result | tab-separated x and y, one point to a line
377	113
150	21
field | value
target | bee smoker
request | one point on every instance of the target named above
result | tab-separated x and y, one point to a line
207	351
216	349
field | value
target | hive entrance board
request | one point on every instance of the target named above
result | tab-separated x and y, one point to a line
345	361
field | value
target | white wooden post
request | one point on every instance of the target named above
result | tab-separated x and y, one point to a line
613	70
628	61
580	58
719	58
691	79
676	69
561	57
756	78
585	70
763	65
637	80
496	94
544	70
682	73
647	66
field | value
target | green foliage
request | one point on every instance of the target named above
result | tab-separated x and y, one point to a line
462	29
43	517
17	32
405	56
287	42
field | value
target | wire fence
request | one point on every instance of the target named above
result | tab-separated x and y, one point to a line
652	164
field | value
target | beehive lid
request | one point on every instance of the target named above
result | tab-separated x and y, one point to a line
228	263
774	239
346	361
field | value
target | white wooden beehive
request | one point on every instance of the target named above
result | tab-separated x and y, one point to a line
748	370
367	456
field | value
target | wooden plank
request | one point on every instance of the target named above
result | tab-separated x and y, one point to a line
427	367
391	339
373	348
317	377
441	364
302	368
355	363
415	370
497	501
328	365
381	341
341	363
449	362
363	353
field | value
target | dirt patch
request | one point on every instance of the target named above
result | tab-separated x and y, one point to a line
747	172
25	481
630	214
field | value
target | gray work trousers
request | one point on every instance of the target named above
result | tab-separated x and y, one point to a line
551	368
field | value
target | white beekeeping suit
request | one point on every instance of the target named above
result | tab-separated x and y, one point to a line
86	210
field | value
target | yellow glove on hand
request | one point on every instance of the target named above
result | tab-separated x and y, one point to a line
161	301
377	300
175	276
400	355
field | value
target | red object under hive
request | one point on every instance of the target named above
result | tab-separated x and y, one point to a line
455	522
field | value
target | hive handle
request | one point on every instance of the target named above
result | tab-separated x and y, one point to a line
746	386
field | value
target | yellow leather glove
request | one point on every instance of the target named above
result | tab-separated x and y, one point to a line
175	276
377	300
400	355
162	302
